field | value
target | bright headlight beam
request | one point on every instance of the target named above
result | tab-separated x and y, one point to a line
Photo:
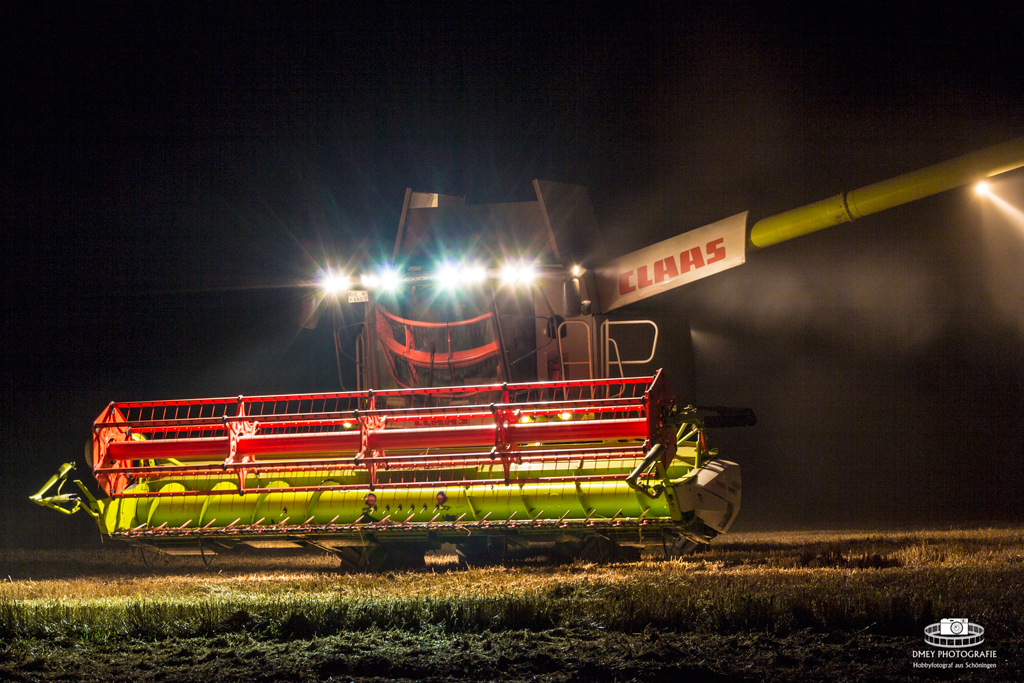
334	283
983	188
448	277
389	279
518	274
1015	215
509	274
473	275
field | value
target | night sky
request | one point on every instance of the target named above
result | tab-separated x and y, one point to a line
172	172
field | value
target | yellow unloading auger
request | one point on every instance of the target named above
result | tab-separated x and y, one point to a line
559	448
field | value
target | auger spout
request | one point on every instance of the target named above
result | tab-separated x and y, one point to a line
909	187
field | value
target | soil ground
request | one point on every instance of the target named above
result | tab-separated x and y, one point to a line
757	607
556	655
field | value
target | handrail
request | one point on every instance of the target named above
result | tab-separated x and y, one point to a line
590	351
608	342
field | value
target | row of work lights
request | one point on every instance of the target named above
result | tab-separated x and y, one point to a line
447	276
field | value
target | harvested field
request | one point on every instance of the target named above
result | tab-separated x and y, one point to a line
784	606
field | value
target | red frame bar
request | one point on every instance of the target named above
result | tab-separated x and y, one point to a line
393	462
334	443
364	426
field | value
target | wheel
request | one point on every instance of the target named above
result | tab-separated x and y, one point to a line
202	552
380	557
602	550
404	556
481	551
680	546
352	560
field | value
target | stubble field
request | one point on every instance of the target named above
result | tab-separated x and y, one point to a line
783	606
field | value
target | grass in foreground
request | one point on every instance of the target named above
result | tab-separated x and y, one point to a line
878	583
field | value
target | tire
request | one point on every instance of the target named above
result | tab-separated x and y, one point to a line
680	546
481	552
603	550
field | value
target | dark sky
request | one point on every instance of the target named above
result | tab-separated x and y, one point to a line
171	171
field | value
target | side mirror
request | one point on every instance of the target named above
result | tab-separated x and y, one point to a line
572	304
553	324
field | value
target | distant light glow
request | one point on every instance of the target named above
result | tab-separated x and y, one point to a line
1015	215
576	270
983	188
565	416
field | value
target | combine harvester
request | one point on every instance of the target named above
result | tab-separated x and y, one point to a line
482	417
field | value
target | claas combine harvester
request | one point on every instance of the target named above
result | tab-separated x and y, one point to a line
482	416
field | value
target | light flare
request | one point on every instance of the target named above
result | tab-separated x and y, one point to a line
1015	215
518	274
448	276
473	275
390	280
334	283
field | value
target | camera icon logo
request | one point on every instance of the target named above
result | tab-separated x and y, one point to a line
952	627
954	632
